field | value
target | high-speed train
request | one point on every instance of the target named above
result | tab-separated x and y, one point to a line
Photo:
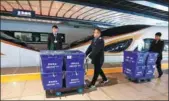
15	53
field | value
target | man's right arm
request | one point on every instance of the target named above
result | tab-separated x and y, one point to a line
151	45
89	49
162	46
49	42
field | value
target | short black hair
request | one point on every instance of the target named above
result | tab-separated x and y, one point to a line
158	34
98	29
55	26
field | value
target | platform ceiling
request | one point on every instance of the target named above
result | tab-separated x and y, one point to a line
110	12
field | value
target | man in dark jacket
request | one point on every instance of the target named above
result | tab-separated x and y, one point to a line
96	50
157	46
54	39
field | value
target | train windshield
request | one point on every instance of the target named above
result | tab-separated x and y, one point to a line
118	46
78	42
9	38
6	37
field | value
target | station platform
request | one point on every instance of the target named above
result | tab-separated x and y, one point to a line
119	88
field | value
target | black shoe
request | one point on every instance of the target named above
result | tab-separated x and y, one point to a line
104	82
92	87
89	85
160	75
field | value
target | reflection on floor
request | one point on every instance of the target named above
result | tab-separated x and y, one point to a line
119	88
21	70
166	71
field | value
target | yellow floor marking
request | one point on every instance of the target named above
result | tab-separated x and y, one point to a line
37	76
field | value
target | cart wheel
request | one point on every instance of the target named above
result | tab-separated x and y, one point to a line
48	92
129	79
58	93
80	90
51	91
138	81
148	80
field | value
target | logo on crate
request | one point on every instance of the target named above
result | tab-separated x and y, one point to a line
69	57
52	65
74	81
75	64
138	73
52	83
154	66
128	71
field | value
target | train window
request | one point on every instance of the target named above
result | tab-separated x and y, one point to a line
43	37
166	43
147	43
35	37
26	37
119	46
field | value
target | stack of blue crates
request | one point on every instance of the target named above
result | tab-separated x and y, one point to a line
150	64
74	68
62	68
51	69
139	65
134	64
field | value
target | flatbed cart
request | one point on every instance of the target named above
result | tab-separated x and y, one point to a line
139	66
148	75
72	82
57	83
63	91
139	80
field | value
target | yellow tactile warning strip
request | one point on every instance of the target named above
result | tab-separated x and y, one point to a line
36	76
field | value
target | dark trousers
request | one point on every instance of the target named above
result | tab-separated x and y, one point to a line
98	71
158	65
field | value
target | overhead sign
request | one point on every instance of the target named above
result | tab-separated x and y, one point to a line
23	13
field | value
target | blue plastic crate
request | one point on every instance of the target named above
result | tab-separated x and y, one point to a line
74	60
74	78
137	58
51	61
149	71
139	65
152	58
133	71
52	81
